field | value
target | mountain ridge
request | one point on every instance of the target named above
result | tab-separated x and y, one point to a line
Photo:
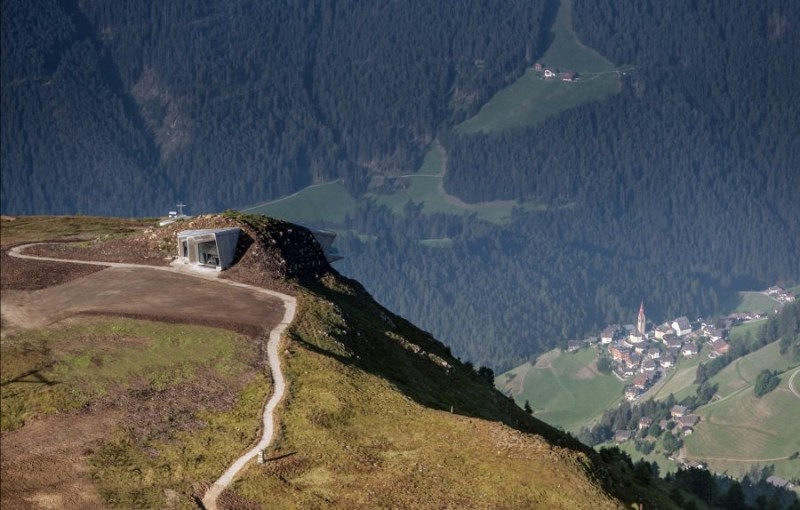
356	372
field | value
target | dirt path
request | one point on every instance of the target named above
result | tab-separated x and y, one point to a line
791	383
279	384
130	288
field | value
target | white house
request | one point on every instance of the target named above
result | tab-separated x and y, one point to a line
635	337
607	336
662	330
681	326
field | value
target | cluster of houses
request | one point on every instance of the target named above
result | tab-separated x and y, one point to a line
739	317
550	74
780	295
641	354
681	422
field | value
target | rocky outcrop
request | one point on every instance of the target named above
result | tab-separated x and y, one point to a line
274	253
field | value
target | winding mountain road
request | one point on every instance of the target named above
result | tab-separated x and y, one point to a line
279	382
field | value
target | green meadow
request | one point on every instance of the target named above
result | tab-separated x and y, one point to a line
331	201
564	389
657	455
755	301
741	430
742	372
679	380
327	202
531	98
751	327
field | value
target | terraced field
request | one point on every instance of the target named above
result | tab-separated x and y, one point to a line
742	429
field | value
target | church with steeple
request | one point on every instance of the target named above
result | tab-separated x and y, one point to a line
641	321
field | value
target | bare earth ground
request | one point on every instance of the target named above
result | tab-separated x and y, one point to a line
143	292
44	464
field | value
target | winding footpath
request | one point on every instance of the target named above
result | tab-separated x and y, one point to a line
279	382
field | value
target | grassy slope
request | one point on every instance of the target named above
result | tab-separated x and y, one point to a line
368	424
755	301
329	201
737	427
81	360
740	429
530	99
565	389
28	229
680	380
372	418
98	362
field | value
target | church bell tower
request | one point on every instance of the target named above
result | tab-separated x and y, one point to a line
641	322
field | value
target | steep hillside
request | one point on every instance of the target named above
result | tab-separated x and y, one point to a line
379	413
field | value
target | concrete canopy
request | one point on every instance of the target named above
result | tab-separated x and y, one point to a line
209	247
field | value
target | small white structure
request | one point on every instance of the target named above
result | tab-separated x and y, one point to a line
681	326
211	247
174	216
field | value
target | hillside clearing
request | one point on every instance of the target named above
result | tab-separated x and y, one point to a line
564	389
328	201
531	99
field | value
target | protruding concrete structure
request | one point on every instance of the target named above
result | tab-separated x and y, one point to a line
210	247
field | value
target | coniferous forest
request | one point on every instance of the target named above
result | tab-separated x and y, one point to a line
120	108
680	190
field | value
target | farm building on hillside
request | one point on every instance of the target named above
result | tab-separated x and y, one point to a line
211	247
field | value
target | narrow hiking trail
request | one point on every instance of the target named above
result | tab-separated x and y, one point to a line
279	383
279	388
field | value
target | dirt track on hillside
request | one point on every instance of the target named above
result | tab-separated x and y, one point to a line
143	293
